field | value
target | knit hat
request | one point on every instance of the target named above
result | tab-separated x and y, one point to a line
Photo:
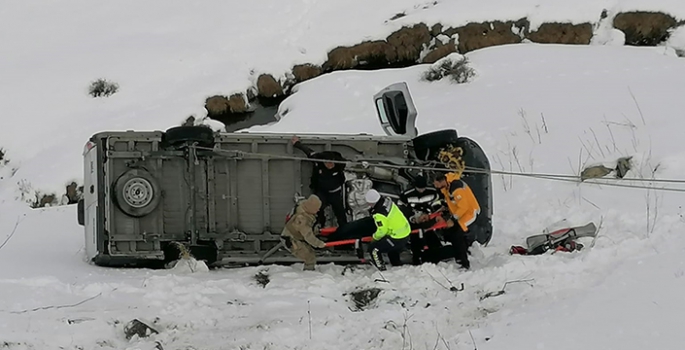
372	197
312	204
420	181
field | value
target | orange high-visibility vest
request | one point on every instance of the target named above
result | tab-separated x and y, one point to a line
461	201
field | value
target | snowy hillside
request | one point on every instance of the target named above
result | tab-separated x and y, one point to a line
533	108
629	281
168	57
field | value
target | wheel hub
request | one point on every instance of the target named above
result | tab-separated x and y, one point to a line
138	192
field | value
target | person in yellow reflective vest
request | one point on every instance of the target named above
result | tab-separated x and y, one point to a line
392	230
463	209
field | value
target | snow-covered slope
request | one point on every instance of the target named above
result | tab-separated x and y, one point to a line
168	56
632	274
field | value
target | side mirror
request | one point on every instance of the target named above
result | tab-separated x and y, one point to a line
396	110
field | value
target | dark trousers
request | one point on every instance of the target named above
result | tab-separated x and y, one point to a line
335	200
430	239
392	247
354	229
457	237
417	244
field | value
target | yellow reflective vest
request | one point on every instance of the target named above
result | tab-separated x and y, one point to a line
390	221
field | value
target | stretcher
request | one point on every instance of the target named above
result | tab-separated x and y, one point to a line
328	230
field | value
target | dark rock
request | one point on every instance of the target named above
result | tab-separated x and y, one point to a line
436	29
262	278
269	87
595	172
398	16
644	28
440	52
136	327
222	105
562	33
623	165
402	48
475	36
364	298
43	201
303	72
408	42
73	193
378	52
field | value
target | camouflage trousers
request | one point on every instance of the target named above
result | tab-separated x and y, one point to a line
302	251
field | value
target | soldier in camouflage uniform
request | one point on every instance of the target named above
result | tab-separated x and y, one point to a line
298	234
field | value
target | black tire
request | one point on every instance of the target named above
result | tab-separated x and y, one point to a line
80	212
137	193
428	145
204	136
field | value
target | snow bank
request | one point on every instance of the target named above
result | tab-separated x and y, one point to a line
167	57
584	94
677	41
533	108
637	306
541	108
52	300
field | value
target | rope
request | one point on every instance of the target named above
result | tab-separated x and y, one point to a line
545	176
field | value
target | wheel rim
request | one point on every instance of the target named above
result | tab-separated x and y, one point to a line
138	192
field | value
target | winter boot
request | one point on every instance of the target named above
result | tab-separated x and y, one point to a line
377	259
464	263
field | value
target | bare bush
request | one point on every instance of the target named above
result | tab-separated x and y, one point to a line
262	278
364	298
3	157
103	88
454	66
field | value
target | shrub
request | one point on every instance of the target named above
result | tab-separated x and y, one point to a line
454	66
262	278
102	87
3	158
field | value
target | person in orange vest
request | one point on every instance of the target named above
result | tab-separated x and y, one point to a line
463	209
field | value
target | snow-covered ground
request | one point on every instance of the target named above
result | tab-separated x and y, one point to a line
169	56
623	293
533	108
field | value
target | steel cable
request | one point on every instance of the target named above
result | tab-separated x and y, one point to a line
545	176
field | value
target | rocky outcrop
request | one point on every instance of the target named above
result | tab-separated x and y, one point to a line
401	48
562	33
221	105
421	43
407	43
368	53
74	193
475	36
644	28
269	87
304	72
440	52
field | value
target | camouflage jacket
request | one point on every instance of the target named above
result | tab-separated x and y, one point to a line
299	227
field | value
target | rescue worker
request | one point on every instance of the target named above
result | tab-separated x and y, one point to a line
327	181
298	234
463	210
392	230
416	203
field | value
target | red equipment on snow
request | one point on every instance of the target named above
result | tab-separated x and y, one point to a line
563	240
